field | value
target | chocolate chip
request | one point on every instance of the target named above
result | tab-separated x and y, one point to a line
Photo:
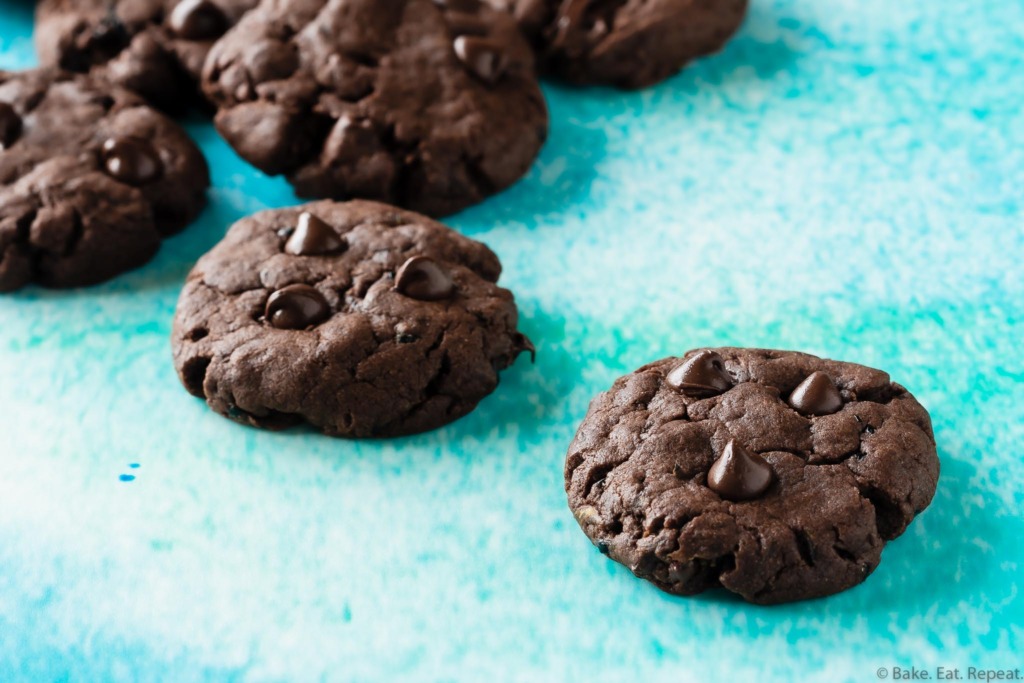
107	40
296	307
132	160
406	338
352	140
483	56
198	20
10	125
703	374
739	474
421	278
313	237
816	395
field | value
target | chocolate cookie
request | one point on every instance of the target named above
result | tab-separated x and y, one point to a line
776	475
153	47
432	106
626	43
359	318
91	178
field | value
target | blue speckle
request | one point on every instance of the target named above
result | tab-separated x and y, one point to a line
127	477
133	465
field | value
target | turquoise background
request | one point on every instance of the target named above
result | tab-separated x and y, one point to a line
845	178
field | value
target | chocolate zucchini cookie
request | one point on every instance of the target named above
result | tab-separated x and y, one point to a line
776	475
358	318
153	47
91	179
626	43
432	106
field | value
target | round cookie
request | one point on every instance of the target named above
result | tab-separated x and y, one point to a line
431	106
359	318
153	47
776	475
91	179
628	43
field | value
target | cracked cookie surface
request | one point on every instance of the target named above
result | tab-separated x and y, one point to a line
91	179
359	318
841	483
153	47
431	106
626	43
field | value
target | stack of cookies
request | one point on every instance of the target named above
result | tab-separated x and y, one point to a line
776	475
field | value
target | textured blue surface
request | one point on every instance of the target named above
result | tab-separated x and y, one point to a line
845	178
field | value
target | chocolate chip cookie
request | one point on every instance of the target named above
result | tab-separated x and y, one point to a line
359	318
153	47
429	105
626	43
776	475
91	179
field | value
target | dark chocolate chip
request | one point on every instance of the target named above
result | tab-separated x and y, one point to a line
198	20
483	56
703	374
421	278
107	40
132	160
816	395
313	237
353	140
406	338
739	474
10	125
296	307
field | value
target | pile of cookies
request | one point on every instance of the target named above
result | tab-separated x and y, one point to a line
776	475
